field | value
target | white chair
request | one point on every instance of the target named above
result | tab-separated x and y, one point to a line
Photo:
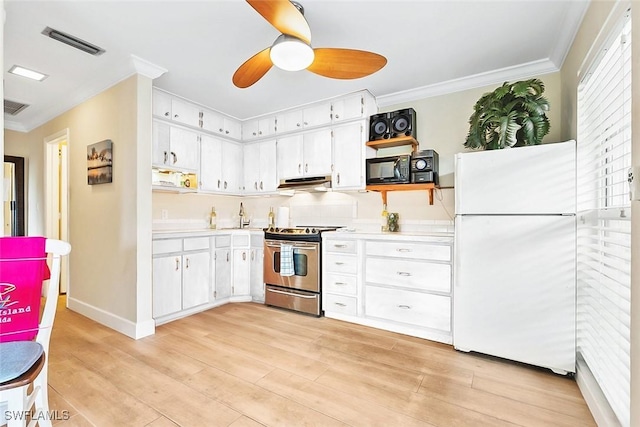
15	392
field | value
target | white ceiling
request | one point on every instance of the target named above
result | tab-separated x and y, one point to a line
431	46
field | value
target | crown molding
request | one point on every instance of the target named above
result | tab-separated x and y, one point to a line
570	27
522	71
15	126
146	68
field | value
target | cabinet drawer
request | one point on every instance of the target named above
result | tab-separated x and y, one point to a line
241	240
338	263
257	240
339	283
167	246
416	308
341	246
196	243
410	250
409	274
223	241
340	304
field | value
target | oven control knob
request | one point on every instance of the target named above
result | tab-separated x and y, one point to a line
306	230
314	231
277	230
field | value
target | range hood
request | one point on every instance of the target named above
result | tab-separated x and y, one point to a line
312	183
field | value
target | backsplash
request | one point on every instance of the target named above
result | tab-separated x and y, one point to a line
357	210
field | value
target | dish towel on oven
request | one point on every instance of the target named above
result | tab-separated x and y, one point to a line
286	260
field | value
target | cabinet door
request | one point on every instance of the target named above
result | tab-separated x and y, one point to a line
161	104
267	126
161	144
223	274
348	164
241	272
290	121
317	153
317	115
231	167
289	157
212	121
210	163
348	107
232	128
251	168
185	152
185	112
268	182
257	282
251	129
167	285
196	279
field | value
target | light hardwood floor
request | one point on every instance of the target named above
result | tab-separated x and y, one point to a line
250	365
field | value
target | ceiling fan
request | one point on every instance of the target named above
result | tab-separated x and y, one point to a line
292	50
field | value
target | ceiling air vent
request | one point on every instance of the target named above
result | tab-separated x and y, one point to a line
13	108
73	41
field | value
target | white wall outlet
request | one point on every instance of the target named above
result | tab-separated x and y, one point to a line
164	214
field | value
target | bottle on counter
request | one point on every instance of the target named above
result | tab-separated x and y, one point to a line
212	218
384	219
272	218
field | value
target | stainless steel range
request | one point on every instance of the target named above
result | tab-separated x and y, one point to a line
297	288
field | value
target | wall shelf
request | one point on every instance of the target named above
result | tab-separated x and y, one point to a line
384	188
394	142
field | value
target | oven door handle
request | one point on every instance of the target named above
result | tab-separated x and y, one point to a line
292	294
304	248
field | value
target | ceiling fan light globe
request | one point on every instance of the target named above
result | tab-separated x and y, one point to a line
291	54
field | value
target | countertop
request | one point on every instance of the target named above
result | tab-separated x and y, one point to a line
412	236
201	232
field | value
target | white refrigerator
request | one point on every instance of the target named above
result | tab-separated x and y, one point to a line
515	254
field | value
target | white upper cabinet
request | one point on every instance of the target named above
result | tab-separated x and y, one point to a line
210	164
220	124
304	155
298	119
348	150
317	153
258	128
174	148
162	104
260	167
185	112
348	108
232	167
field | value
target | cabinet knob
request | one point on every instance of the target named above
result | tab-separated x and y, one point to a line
175	157
299	167
404	307
175	116
403	250
254	134
337	116
218	183
255	185
166	114
340	283
338	178
226	131
244	256
225	185
187	263
177	264
306	124
259	132
336	245
404	273
306	167
166	157
340	304
220	130
261	186
298	124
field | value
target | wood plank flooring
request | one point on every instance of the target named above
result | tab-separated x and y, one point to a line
247	365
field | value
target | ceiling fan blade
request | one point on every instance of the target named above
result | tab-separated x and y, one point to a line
345	63
284	16
253	69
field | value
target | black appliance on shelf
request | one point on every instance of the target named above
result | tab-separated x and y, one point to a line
424	167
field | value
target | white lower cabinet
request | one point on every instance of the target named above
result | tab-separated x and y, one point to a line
181	275
222	258
257	261
397	283
241	272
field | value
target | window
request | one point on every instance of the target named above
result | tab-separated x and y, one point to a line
604	226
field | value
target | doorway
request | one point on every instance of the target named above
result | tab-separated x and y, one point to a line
57	196
13	197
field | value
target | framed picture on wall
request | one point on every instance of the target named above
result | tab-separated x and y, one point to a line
100	162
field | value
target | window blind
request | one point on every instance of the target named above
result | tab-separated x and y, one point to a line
604	226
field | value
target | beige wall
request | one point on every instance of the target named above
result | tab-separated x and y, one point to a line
110	262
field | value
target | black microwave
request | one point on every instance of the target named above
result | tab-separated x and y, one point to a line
389	170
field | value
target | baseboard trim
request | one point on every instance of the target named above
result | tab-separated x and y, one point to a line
124	326
596	401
